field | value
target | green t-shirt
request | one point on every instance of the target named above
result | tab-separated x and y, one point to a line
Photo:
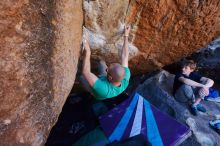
103	89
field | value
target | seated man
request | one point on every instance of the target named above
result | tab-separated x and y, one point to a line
116	78
190	85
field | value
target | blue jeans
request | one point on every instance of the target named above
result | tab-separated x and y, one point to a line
187	93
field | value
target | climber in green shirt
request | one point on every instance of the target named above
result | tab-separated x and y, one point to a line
115	78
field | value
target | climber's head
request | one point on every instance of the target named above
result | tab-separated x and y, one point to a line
115	72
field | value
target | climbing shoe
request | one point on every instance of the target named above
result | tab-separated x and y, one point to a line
194	110
200	108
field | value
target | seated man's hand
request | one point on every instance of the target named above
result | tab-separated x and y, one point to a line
203	92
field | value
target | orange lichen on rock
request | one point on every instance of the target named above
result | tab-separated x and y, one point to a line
162	31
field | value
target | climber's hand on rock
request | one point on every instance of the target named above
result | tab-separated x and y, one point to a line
86	46
127	30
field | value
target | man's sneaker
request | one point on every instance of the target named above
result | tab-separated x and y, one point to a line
194	110
215	124
201	108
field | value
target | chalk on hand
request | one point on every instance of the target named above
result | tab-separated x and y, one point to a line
83	46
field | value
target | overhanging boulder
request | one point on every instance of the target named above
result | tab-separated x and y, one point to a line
162	31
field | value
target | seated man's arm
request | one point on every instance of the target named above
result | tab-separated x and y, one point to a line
207	82
125	52
190	82
86	70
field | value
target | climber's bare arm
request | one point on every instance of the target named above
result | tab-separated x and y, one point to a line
86	71
207	82
125	52
190	82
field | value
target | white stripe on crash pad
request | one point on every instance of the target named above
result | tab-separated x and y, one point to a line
121	126
136	127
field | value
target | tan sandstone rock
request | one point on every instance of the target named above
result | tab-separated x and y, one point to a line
39	51
162	31
40	45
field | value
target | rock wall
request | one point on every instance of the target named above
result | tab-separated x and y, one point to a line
162	31
40	45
